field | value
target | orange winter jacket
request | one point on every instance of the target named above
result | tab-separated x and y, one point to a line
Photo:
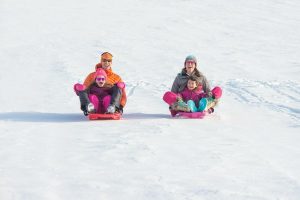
112	78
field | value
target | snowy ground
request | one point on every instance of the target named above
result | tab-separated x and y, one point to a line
248	149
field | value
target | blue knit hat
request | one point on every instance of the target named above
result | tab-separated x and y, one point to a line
191	57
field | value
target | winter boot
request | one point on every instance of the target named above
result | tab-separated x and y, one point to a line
173	113
90	108
210	110
111	109
180	106
83	108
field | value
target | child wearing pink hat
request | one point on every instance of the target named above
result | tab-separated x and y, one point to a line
97	97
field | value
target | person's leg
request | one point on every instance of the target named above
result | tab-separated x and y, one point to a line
207	103
170	98
191	104
202	104
115	99
95	101
105	103
83	97
84	101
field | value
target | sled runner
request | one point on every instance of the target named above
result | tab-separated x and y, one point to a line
196	115
97	116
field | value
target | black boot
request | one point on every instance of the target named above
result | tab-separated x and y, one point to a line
83	108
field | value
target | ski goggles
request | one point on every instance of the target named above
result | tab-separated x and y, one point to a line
100	79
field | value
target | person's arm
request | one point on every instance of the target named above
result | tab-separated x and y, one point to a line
89	80
179	96
206	86
175	86
121	85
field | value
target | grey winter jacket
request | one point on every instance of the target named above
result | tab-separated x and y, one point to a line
181	80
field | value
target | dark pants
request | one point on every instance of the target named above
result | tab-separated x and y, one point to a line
116	96
84	99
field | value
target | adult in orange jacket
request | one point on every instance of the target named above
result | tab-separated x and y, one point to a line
112	78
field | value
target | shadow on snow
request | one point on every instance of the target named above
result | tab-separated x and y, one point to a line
67	117
41	117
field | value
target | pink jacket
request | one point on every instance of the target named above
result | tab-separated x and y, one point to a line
194	95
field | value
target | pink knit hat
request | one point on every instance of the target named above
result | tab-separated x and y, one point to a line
100	72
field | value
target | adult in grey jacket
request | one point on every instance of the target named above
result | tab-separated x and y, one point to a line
190	68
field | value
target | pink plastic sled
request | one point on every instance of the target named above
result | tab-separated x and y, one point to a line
170	98
198	115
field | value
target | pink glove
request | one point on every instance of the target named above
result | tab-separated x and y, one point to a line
79	87
121	85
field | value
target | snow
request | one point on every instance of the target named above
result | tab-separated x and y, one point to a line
248	149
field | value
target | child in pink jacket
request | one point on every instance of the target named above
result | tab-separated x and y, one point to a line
97	97
192	98
191	94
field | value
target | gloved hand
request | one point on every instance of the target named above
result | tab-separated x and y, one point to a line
179	99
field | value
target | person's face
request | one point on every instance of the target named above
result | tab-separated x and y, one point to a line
191	84
106	63
190	66
100	80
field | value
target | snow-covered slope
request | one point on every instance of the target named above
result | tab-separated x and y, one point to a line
248	149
